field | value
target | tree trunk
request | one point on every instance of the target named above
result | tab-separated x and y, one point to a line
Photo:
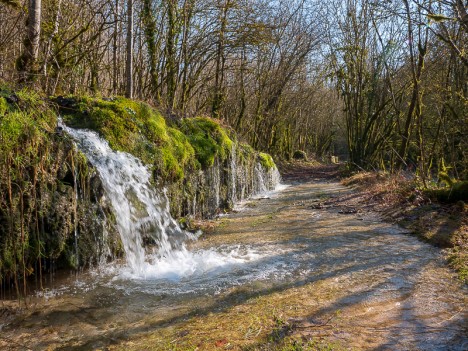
171	70
150	38
218	95
129	63
28	61
49	45
115	64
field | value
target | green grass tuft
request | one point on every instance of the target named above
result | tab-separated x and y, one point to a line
3	106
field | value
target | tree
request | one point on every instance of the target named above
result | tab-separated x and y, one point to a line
129	60
27	64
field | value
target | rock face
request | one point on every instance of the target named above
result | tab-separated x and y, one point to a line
53	209
207	192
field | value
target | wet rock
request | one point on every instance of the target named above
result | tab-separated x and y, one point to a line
12	99
65	102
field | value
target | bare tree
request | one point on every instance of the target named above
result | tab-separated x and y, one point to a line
28	60
129	60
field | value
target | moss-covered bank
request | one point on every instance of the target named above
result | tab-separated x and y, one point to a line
52	209
200	161
51	201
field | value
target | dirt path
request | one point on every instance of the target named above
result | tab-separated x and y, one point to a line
320	279
366	284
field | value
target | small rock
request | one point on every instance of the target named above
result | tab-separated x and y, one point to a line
12	99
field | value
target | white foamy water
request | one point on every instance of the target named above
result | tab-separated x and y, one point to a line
182	264
210	271
141	211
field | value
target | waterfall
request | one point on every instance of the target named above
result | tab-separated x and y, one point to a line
265	180
233	171
260	180
141	213
214	180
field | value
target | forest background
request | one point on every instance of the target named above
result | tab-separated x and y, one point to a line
381	83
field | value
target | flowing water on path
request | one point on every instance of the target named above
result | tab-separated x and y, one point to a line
279	267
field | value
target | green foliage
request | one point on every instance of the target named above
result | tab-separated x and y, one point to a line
208	139
266	160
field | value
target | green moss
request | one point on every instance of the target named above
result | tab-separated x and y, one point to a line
444	177
26	125
208	139
175	155
266	160
300	155
136	128
114	120
458	191
246	152
3	106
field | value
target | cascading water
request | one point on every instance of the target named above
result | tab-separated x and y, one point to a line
260	183
140	212
233	170
266	180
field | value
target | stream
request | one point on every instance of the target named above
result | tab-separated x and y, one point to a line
278	268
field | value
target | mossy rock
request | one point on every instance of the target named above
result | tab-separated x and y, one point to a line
208	139
133	127
457	192
246	152
266	160
300	155
41	166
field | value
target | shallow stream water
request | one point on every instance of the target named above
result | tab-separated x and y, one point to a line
345	278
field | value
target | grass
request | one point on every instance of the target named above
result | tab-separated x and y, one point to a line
247	321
